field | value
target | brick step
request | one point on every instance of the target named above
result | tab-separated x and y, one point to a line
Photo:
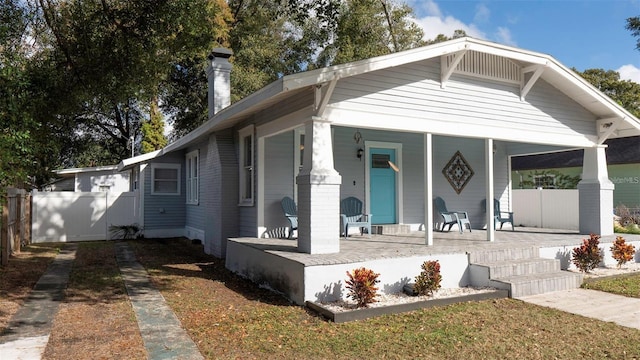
500	269
532	284
503	255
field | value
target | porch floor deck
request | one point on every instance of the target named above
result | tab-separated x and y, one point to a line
364	248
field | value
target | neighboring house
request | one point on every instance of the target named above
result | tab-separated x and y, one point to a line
91	179
395	131
623	159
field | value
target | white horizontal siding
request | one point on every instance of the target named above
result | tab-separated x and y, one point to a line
414	91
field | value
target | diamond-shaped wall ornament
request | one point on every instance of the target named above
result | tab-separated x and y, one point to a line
458	172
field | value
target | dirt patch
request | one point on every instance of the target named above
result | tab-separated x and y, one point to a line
96	320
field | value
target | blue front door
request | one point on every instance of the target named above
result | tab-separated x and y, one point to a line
382	183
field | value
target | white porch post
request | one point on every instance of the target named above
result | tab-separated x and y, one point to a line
488	155
595	194
428	189
318	192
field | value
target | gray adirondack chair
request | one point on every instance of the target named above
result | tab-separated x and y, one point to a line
352	215
501	217
451	217
291	212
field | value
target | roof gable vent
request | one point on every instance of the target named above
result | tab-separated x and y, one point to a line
486	66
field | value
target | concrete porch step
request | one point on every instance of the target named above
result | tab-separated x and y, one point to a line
391	229
497	255
532	284
506	268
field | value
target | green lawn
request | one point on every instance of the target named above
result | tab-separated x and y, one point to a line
229	317
627	285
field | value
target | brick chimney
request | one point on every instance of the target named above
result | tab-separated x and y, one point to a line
218	77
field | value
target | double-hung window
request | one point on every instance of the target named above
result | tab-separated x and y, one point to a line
246	140
165	179
193	186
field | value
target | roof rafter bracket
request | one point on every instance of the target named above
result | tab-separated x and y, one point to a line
447	70
322	98
537	72
607	127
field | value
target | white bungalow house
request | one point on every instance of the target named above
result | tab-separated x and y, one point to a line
448	117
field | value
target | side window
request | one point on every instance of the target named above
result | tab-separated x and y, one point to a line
246	165
193	170
165	179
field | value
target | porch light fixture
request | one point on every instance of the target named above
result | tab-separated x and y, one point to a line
359	153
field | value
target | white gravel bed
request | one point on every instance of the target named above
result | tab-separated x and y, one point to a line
402	298
609	270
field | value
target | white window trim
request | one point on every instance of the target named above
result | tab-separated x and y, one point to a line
297	161
153	176
192	181
244	199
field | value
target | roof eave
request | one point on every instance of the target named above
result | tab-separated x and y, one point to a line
130	162
85	170
229	116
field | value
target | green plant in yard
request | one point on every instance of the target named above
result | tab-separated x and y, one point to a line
588	256
621	251
429	279
361	284
626	217
131	231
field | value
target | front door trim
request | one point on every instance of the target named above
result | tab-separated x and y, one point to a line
384	145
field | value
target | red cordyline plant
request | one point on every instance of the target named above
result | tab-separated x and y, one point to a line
361	284
429	279
588	256
621	251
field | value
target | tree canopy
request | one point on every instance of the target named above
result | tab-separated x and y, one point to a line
633	25
80	78
625	92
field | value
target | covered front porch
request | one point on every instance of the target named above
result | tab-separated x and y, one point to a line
278	264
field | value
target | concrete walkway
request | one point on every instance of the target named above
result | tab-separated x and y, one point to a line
622	310
28	331
162	333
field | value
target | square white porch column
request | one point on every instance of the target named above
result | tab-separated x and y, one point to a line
595	194
318	192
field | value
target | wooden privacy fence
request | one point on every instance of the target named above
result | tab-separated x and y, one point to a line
16	222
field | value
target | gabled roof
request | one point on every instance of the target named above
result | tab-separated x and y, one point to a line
614	120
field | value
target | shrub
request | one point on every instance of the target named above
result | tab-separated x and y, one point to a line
125	232
361	284
621	251
429	279
588	255
627	216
